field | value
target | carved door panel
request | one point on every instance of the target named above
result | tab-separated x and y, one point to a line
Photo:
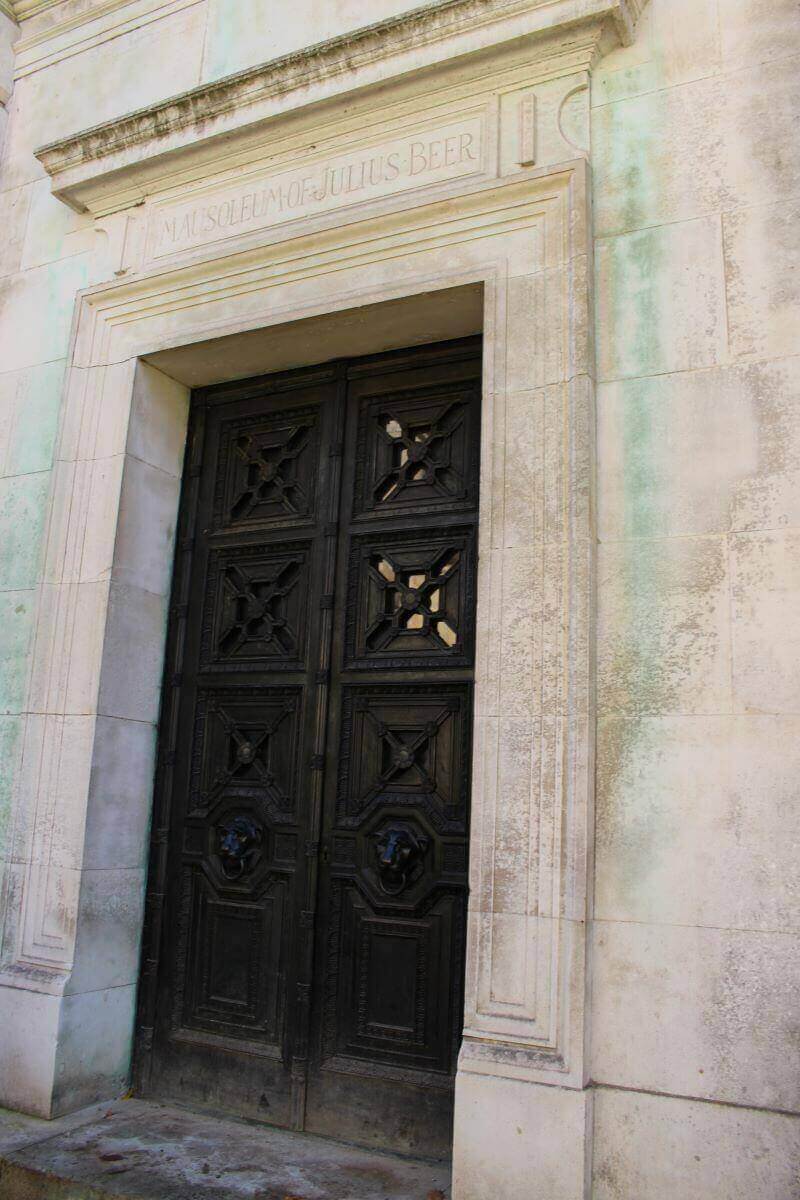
236	789
303	958
392	903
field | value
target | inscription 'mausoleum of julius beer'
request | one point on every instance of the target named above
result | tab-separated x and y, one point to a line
434	155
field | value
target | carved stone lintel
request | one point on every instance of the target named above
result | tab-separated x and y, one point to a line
114	158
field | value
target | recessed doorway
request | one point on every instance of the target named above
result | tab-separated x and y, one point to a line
311	828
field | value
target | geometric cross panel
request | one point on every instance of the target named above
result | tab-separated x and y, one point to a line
268	469
404	746
418	451
256	607
410	600
245	746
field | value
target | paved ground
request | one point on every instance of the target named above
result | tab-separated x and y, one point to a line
138	1150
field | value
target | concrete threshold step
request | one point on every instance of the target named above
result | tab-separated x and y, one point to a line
142	1150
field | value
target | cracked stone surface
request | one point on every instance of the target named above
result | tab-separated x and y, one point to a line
140	1150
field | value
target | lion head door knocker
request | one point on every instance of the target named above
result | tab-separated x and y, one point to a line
399	851
239	840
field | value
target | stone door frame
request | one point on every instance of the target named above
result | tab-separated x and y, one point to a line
72	953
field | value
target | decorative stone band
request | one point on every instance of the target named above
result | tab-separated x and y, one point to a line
445	152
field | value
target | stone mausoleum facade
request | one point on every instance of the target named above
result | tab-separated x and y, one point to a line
489	572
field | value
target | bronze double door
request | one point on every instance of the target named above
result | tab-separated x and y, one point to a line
304	947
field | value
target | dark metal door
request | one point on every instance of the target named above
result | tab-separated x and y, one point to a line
304	951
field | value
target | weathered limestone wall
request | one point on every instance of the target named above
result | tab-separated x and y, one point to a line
46	250
46	255
252	31
696	167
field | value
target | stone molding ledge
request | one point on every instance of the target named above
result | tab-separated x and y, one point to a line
55	38
22	9
567	35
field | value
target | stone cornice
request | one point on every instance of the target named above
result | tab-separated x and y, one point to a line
421	38
30	8
43	43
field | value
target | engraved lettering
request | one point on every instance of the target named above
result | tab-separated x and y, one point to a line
406	162
418	160
466	147
308	189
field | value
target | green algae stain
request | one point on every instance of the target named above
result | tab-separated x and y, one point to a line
10	744
16	629
238	36
23	505
660	656
639	453
626	163
663	649
655	597
36	419
633	830
630	304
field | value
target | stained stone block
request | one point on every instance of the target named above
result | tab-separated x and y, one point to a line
700	1012
761	154
52	231
158	414
69	740
663	640
82	608
17	611
27	1061
91	1068
145	533
134	645
14	207
752	33
763	266
120	793
249	34
29	407
10	747
700	452
659	157
685	804
23	500
675	43
36	309
669	1148
101	491
518	1140
765	589
660	300
109	930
